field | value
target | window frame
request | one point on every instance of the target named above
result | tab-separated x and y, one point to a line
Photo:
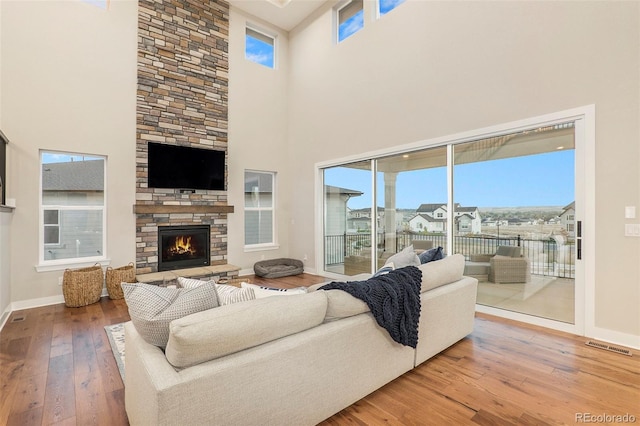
264	36
274	243
61	264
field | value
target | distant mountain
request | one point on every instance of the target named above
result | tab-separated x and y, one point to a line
521	209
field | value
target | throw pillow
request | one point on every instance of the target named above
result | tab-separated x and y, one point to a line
152	308
227	294
431	255
406	257
388	267
192	282
262	291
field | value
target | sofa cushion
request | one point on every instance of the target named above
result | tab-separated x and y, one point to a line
511	251
406	257
341	304
445	271
152	308
228	329
261	291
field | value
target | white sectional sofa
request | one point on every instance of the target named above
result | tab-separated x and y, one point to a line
287	360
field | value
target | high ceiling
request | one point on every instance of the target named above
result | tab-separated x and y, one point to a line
285	14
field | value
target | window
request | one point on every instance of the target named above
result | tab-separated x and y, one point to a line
260	47
72	208
102	4
259	201
386	6
350	19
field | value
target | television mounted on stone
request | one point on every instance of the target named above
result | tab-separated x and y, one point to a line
183	167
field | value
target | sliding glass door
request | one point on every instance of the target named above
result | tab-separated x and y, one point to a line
507	202
514	215
349	223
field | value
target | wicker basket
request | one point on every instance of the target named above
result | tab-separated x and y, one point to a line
83	286
114	277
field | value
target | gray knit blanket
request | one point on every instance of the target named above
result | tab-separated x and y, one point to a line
394	301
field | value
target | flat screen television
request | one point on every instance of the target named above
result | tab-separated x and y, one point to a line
182	167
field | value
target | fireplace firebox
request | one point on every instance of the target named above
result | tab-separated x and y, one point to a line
183	247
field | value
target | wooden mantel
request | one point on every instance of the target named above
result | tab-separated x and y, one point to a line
153	209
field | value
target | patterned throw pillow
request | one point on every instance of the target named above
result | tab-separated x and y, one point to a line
192	282
227	294
388	267
152	308
261	291
431	255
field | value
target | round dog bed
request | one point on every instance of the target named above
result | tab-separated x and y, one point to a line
276	268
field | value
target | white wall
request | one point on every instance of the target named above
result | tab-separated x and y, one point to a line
257	137
431	69
5	263
68	83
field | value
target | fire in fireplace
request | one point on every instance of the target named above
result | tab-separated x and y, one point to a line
183	246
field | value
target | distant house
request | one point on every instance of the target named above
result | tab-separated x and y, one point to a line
336	209
433	218
567	219
425	223
73	231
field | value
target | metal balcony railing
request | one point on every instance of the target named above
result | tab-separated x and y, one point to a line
546	257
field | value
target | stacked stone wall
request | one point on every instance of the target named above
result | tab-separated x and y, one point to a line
182	99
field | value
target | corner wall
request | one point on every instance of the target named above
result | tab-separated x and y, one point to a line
68	84
432	69
258	139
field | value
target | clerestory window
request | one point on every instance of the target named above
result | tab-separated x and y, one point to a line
386	6
260	47
349	18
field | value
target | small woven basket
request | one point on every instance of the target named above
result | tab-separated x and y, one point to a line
117	276
83	286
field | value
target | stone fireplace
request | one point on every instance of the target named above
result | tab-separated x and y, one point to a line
182	99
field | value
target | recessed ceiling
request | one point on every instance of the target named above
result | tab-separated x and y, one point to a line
284	14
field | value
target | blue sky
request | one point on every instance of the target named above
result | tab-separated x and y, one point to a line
54	157
389	5
537	180
258	51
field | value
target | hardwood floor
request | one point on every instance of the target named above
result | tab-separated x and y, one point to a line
56	367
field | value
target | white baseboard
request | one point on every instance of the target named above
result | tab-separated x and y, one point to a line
243	272
615	337
35	303
604	335
5	316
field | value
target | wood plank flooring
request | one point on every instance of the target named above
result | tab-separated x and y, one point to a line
56	368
